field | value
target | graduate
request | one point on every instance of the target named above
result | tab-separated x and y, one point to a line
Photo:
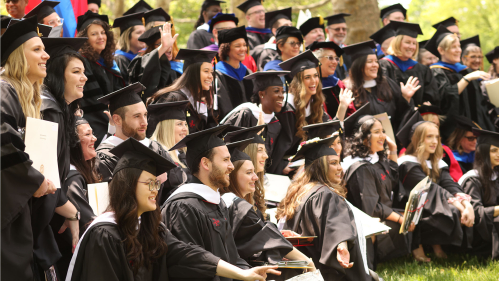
195	86
371	176
424	56
258	32
46	14
139	7
94	6
493	58
472	55
154	68
482	185
257	240
232	89
209	161
400	63
268	51
315	205
16	9
440	223
369	84
268	98
131	28
383	37
201	37
156	17
395	12
129	115
288	43
313	30
451	24
303	105
103	74
459	87
326	130
463	142
167	125
337	32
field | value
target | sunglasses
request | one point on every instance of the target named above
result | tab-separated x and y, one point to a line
471	138
153	185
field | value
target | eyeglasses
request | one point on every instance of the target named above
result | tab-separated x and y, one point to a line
55	22
259	12
294	44
475	57
332	58
153	185
471	138
338	29
12	1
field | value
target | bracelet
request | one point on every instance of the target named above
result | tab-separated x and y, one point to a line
466	79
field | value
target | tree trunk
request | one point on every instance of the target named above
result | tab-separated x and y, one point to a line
239	14
119	9
165	4
364	20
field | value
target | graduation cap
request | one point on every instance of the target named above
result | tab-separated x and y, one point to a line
326	45
298	63
465	123
288	31
272	17
208	3
16	35
139	7
57	47
422	44
432	44
191	56
382	34
406	28
494	54
312	151
404	135
236	150
80	121
354	121
98	2
429	109
391	9
248	4
200	142
486	137
123	97
246	133
229	35
42	10
358	50
125	22
156	15
468	41
311	24
220	17
5	21
322	130
446	23
264	79
87	19
43	30
336	18
164	111
151	35
134	154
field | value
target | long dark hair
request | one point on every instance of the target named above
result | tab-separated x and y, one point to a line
204	7
55	84
355	145
87	168
108	53
485	171
145	246
383	90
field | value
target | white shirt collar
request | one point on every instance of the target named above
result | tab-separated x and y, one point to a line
291	101
204	26
414	159
255	110
370	83
200	107
72	167
349	161
474	173
229	198
114	140
202	190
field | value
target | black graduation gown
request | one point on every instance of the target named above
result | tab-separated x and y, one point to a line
440	222
325	214
266	55
101	81
193	220
255	39
332	103
176	177
199	39
102	256
152	71
232	92
429	88
123	63
245	118
486	228
371	188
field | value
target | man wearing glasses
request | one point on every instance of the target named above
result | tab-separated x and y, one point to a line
16	8
255	17
45	13
337	32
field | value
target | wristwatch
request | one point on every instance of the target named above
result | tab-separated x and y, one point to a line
75	218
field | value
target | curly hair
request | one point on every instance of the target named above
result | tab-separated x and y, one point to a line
108	53
417	148
224	50
298	90
355	145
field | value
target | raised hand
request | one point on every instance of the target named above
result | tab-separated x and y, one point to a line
346	97
410	88
167	39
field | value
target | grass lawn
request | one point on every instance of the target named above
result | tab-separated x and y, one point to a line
456	268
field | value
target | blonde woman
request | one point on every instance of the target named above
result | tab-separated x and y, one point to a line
24	62
167	125
401	62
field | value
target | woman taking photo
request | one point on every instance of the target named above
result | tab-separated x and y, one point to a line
368	84
288	43
315	206
152	252
462	142
195	86
251	232
482	185
440	223
302	106
400	63
103	74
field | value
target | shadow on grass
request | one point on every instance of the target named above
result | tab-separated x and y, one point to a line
456	268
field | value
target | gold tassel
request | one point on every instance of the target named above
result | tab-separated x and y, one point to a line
38	32
143	21
341	61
